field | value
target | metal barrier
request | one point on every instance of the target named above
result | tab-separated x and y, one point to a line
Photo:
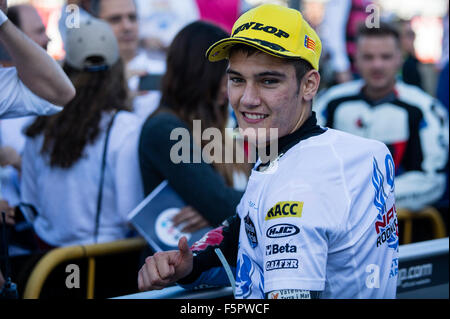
423	273
59	255
423	270
428	213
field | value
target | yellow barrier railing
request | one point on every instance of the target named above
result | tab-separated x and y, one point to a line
59	255
429	213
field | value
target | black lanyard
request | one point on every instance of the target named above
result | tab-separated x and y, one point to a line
102	177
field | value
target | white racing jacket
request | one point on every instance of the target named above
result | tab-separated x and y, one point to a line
410	122
319	223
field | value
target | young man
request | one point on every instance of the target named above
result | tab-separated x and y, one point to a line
316	221
410	122
35	82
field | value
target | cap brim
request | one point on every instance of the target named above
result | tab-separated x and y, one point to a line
221	49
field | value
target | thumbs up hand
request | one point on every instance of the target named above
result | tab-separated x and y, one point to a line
165	268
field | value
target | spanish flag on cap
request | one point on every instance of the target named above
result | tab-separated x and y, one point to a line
273	29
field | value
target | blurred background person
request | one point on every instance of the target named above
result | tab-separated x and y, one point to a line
28	20
12	140
80	171
122	16
193	89
35	84
410	70
161	20
338	33
413	124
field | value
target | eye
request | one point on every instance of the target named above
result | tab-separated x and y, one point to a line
270	81
235	79
114	19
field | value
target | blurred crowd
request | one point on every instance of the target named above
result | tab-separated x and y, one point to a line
139	72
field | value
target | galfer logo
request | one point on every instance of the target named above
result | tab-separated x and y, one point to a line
282	230
281	264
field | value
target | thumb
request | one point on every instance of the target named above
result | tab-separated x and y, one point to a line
184	247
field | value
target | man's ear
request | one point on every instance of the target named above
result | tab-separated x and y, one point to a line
310	84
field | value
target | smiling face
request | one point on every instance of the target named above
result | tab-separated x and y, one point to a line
264	93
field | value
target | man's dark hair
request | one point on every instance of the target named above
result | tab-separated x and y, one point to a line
93	6
14	15
301	66
384	29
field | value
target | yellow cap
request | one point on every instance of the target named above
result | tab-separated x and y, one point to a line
273	29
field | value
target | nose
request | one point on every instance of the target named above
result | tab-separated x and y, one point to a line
44	41
378	63
250	97
127	24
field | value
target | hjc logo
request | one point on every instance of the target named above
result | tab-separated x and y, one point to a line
282	230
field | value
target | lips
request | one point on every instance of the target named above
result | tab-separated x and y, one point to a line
377	75
253	118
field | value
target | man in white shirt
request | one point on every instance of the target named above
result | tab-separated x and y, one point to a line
37	83
316	221
122	17
12	140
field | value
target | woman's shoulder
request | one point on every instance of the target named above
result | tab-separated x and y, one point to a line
162	122
123	121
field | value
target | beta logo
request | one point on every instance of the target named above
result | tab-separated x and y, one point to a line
281	264
282	230
285	209
280	249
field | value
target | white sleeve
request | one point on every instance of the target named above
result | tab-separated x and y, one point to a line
333	33
16	100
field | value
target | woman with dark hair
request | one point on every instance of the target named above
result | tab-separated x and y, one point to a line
192	89
80	171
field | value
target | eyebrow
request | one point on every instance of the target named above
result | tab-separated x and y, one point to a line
262	74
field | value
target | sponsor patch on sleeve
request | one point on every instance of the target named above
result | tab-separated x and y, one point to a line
293	294
285	209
